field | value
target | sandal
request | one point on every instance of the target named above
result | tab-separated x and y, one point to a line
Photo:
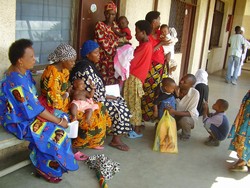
236	168
133	134
79	156
50	179
122	147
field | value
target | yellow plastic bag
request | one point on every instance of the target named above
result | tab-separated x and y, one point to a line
166	135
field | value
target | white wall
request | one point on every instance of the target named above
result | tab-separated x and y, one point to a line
7	31
135	11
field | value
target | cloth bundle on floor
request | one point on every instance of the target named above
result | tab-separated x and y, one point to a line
166	135
105	168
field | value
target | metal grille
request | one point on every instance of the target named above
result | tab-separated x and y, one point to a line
176	20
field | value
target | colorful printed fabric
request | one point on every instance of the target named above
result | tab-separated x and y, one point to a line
133	93
154	77
93	134
53	85
108	42
117	108
240	131
49	144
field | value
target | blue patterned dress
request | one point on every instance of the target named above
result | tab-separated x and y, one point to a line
240	131
49	144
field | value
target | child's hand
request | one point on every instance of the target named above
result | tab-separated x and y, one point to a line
155	114
73	118
205	105
170	110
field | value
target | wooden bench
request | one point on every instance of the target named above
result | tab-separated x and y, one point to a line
8	140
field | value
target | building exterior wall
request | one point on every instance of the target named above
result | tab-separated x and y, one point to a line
246	20
7	31
214	59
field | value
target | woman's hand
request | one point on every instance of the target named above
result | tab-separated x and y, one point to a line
63	123
111	97
65	95
165	42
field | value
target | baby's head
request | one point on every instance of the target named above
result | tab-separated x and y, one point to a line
123	22
168	85
164	29
220	105
79	84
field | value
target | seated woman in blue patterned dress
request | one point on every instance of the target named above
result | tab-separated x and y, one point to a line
50	147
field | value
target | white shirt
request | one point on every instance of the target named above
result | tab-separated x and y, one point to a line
236	42
189	103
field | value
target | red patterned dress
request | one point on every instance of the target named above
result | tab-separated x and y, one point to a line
108	42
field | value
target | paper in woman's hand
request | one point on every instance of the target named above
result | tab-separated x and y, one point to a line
113	90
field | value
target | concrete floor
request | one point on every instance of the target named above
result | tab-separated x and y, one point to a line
196	165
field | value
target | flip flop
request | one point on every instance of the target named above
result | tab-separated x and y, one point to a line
122	147
133	134
79	156
98	147
239	168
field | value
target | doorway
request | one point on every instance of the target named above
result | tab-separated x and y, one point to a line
89	12
182	16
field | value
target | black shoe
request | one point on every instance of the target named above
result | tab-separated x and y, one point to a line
213	142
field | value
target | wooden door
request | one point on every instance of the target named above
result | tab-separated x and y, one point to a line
90	11
187	37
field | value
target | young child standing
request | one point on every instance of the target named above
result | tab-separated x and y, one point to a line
125	33
216	124
82	100
133	86
164	97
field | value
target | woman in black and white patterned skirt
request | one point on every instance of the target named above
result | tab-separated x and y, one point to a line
116	106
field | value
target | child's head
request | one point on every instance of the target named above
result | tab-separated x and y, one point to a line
220	105
164	29
142	30
123	22
237	29
168	85
79	84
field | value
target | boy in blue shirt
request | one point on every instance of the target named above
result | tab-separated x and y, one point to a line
216	124
164	97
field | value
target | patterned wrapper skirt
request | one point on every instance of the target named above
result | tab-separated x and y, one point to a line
154	77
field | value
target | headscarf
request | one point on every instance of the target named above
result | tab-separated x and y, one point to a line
63	52
201	77
87	47
110	6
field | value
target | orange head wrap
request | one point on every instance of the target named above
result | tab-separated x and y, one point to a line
110	6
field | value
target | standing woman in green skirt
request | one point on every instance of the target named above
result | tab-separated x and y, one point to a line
158	69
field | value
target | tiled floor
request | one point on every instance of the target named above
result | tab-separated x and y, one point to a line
195	166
